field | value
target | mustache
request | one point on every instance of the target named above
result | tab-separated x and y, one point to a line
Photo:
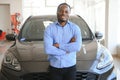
61	20
61	15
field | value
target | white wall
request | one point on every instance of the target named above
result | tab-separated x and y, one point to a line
118	28
15	5
111	30
5	17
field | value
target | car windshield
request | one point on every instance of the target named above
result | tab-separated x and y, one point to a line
33	29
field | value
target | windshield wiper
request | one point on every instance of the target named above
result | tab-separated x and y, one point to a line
87	38
24	39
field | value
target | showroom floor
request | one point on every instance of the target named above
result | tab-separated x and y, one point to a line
117	66
4	45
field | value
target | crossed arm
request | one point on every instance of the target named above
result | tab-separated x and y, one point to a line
57	45
60	48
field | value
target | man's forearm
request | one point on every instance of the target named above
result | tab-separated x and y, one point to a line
57	45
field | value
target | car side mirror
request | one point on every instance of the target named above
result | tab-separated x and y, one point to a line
98	35
10	37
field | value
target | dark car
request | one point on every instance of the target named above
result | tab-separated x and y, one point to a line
26	59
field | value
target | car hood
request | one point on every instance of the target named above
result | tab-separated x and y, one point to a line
30	51
34	51
88	50
87	55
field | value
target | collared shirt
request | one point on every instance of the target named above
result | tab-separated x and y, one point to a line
65	55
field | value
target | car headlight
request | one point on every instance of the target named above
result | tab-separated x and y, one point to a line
11	62
105	59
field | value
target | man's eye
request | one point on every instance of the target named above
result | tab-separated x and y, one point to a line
66	11
63	12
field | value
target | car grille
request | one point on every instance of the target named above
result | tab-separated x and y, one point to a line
44	76
86	76
35	76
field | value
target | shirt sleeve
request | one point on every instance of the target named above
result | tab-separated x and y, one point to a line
74	46
48	45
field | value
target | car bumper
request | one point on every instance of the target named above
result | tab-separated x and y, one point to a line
8	74
84	75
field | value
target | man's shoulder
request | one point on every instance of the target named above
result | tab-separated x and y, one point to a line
51	26
72	23
74	26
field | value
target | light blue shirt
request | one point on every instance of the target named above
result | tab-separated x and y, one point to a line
65	55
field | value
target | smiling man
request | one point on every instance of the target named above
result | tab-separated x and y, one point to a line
62	39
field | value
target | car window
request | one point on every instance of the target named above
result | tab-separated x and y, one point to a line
85	30
33	29
46	23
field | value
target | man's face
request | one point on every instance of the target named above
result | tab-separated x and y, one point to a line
63	13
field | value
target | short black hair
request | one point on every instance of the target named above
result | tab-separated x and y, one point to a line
63	4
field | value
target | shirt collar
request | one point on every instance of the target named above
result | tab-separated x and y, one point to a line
57	23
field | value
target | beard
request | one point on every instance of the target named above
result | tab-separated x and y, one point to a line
62	20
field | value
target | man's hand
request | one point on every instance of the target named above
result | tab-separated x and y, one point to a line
56	45
72	40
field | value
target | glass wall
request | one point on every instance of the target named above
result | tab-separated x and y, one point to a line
42	7
93	11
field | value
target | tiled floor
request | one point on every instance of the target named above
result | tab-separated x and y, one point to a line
4	45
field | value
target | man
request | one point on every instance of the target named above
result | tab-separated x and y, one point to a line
62	39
